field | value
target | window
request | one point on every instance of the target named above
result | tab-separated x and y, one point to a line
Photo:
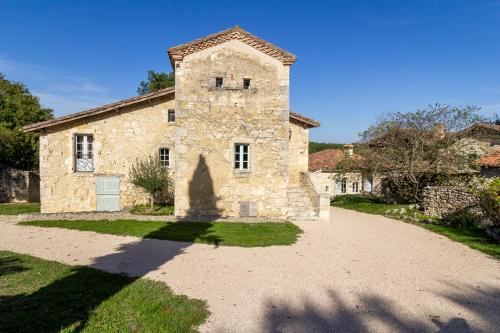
343	186
164	156
171	116
218	82
83	153
246	83
241	156
355	187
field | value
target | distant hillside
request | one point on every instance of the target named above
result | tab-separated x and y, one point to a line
319	146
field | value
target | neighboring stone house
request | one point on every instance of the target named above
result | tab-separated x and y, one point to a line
225	131
490	165
322	165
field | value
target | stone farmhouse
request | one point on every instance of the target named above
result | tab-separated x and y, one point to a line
225	131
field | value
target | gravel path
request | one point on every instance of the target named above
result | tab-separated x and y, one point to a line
358	273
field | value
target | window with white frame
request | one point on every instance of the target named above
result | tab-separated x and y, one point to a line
355	187
164	154
84	158
343	185
241	156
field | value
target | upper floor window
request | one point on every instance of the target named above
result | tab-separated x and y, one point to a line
241	156
246	83
171	116
84	158
218	82
164	154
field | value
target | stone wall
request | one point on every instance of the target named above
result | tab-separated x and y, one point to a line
19	185
119	139
298	152
319	200
212	120
444	201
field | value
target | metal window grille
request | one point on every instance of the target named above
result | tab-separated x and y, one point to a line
84	161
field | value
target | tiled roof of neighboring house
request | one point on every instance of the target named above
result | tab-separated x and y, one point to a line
115	107
326	160
492	160
234	33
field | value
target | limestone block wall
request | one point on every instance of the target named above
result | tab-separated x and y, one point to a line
298	153
119	139
212	120
443	201
326	182
19	185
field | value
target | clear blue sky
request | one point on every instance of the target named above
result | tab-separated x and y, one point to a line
356	59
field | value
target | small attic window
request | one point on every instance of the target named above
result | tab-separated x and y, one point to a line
246	83
218	82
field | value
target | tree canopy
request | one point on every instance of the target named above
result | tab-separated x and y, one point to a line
156	81
408	150
18	107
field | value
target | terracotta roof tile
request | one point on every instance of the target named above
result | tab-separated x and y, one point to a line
234	33
325	159
492	160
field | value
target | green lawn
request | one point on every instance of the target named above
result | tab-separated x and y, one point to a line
473	236
158	209
19	208
218	233
365	204
45	296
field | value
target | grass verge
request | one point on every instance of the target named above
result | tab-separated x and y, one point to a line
158	209
218	233
365	204
472	236
44	296
19	208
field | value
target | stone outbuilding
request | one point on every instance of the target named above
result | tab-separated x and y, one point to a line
225	131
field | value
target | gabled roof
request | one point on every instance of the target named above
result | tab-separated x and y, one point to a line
492	160
102	109
115	107
327	159
234	33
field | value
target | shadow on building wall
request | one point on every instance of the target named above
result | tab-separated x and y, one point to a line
202	197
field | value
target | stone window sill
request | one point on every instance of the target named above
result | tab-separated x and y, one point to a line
242	174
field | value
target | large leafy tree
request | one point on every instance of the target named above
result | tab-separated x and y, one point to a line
409	150
18	107
156	81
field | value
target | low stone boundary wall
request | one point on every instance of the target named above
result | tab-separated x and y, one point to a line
443	201
19	185
320	201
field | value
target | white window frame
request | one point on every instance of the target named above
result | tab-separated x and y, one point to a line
83	155
343	186
164	156
355	187
239	156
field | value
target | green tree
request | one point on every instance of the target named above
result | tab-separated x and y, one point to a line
156	81
409	150
150	175
18	107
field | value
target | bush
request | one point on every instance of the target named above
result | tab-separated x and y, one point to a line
150	175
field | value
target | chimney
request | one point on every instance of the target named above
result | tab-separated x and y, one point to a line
348	150
439	131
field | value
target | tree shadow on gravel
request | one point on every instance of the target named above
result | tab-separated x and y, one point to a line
69	302
338	316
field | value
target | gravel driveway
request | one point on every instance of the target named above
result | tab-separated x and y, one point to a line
358	273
